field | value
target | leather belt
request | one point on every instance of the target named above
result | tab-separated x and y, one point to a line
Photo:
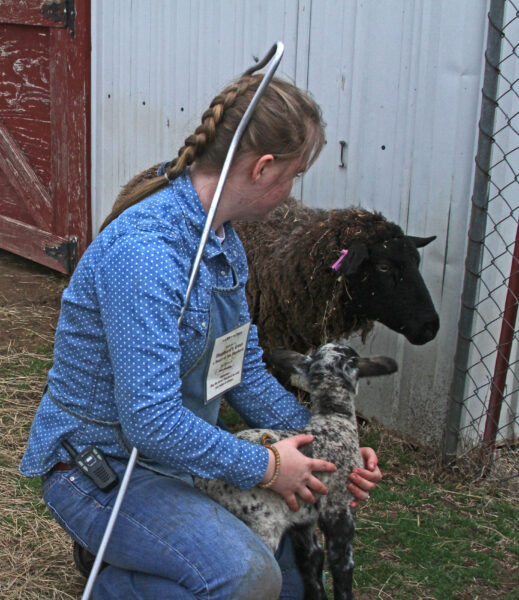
62	467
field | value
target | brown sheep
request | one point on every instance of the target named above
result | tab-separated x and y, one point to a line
298	301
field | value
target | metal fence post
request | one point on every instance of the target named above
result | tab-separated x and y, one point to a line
503	350
478	221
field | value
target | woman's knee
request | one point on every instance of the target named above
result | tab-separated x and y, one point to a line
262	578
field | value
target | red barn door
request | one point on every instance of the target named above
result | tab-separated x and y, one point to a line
44	130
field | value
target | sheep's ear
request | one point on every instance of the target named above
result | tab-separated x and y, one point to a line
420	242
293	366
376	365
357	254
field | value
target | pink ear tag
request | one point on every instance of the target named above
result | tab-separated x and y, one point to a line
337	265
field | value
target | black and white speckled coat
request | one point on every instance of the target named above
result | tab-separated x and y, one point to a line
330	375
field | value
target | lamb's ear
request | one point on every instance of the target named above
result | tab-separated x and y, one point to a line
357	254
293	366
376	365
420	242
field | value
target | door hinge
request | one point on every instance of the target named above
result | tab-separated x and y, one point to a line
65	254
71	16
60	11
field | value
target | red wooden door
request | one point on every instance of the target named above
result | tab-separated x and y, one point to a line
44	130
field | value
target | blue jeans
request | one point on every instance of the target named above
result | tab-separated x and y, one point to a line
169	541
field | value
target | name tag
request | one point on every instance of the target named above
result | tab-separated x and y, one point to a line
226	365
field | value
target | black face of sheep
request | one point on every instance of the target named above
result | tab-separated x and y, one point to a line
389	270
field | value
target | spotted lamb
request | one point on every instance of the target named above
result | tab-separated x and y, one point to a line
330	375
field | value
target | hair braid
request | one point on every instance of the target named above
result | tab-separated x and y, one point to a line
195	144
286	123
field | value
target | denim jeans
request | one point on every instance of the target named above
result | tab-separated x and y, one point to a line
169	541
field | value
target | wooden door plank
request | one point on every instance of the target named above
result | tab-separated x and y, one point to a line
48	249
19	173
47	13
70	124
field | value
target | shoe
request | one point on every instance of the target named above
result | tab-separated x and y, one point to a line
84	560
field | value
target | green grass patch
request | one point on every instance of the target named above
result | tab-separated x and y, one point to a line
29	488
424	541
231	418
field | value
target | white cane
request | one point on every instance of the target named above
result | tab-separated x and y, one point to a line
275	54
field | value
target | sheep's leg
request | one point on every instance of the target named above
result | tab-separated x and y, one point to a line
339	529
310	559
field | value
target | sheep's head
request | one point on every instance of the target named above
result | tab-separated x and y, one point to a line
385	283
331	373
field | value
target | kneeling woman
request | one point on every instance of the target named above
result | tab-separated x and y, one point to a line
126	375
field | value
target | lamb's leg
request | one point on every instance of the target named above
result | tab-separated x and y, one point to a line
310	559
338	529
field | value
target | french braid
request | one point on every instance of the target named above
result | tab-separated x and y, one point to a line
286	123
195	145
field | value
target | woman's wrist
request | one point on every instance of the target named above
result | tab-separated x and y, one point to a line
271	467
271	475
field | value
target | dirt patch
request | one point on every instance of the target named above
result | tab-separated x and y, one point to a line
30	297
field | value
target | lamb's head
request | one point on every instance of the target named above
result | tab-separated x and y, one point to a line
330	374
384	281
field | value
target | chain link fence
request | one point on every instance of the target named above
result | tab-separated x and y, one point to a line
483	423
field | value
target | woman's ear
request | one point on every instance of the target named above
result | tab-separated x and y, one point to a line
260	165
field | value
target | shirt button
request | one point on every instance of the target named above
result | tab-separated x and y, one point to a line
222	272
203	324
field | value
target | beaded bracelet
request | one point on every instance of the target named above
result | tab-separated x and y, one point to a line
277	468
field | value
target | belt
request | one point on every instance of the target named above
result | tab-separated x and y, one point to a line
57	467
61	467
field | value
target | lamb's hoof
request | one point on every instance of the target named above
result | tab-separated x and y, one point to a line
84	560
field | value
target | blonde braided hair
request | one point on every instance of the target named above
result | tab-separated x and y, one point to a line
286	123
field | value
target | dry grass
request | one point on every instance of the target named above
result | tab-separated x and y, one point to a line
36	555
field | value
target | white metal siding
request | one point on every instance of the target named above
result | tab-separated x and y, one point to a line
157	64
399	81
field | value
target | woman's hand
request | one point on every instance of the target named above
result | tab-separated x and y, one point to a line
296	472
364	481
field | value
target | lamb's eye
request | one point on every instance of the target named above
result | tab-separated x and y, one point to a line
384	267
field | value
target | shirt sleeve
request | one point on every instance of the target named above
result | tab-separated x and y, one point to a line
139	291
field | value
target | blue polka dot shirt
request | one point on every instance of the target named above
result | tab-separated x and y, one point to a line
119	352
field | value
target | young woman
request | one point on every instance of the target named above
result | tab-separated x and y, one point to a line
126	375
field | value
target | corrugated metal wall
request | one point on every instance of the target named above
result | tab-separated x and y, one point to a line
399	82
156	65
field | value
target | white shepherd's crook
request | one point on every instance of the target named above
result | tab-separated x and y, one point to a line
274	55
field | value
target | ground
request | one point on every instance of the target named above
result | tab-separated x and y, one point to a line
429	532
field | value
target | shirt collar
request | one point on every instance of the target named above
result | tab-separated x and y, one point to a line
194	214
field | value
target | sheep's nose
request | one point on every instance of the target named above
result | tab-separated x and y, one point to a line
430	329
425	333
